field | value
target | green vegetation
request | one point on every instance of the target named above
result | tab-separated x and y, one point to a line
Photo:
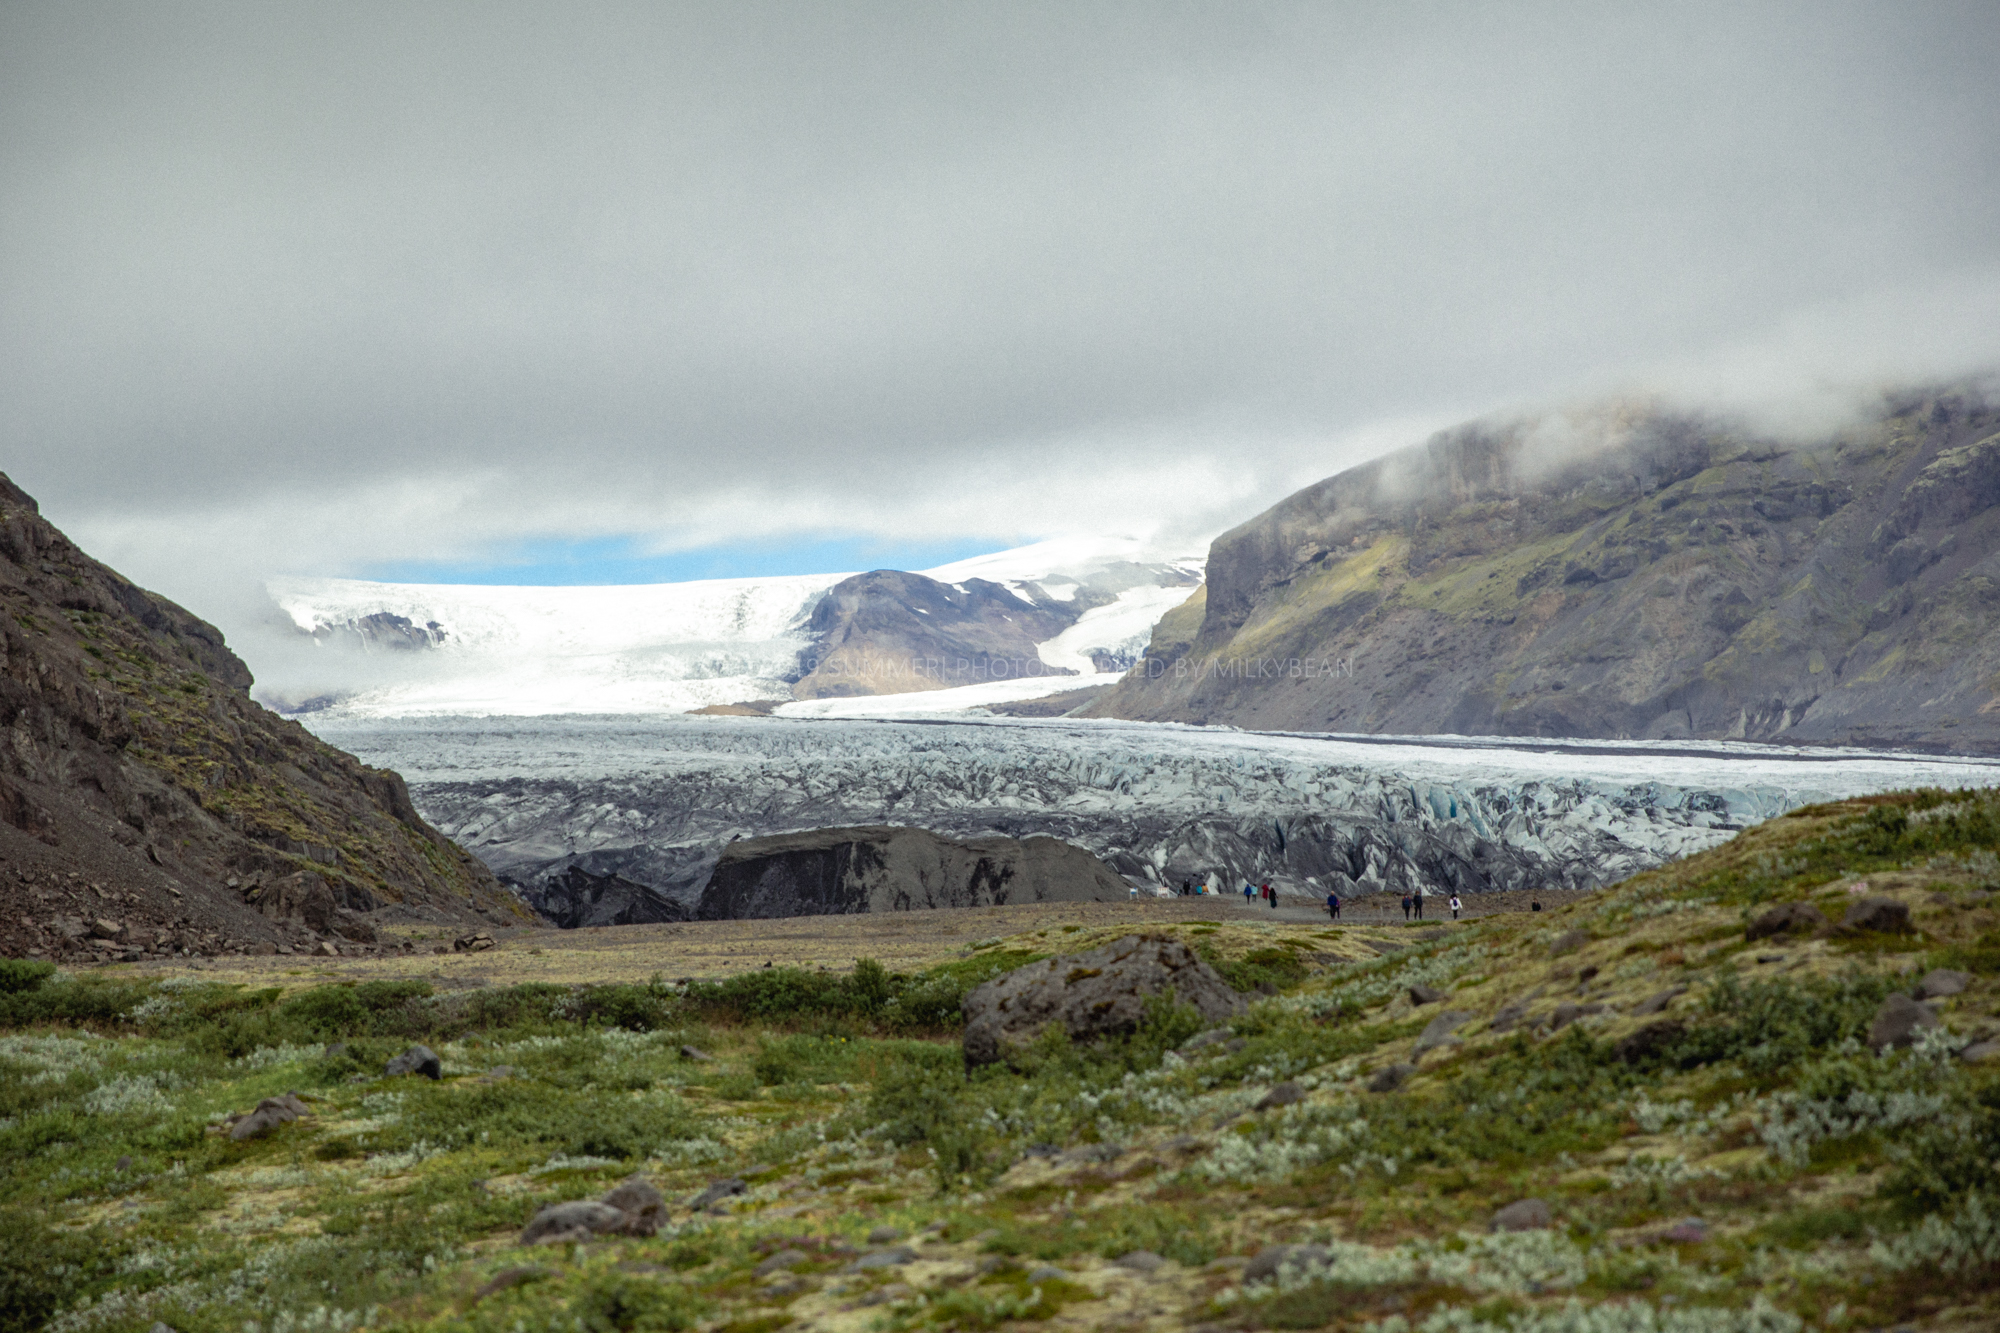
1835	1186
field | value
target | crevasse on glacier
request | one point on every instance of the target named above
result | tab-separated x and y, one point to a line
655	799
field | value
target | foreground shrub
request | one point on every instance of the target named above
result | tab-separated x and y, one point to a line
18	975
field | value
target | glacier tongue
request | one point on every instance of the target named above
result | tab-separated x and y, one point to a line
655	798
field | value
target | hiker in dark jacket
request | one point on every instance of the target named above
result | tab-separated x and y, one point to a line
1333	906
1406	907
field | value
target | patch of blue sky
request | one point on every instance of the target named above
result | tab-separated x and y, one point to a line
556	562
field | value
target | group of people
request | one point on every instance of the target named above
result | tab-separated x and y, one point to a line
1190	889
1413	901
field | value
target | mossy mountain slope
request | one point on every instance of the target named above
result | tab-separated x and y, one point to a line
141	787
1649	575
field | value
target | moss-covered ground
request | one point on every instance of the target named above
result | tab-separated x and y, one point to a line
1750	1164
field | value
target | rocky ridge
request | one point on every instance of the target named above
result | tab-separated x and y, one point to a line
149	807
835	871
1646	574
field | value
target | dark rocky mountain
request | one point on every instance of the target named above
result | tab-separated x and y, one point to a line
889	632
836	871
1650	575
147	806
575	897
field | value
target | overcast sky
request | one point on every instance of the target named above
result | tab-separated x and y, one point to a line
352	288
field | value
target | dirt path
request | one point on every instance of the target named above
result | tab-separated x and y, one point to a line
900	941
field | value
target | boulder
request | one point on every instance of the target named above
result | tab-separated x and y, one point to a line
891	1258
508	1278
695	1053
1140	1261
1649	1042
632	1208
717	1191
782	1262
419	1059
576	1220
1390	1077
645	1208
1567	1013
1438	1032
1898	1022
1267	1261
1885	915
1091	995
1942	981
1420	995
1203	1040
885	1235
1980	1052
1284	1094
475	943
1685	1231
1524	1215
1653	1004
1787	919
268	1115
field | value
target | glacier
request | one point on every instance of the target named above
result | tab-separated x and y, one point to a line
655	798
400	650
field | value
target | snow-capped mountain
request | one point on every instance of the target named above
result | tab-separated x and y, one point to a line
375	649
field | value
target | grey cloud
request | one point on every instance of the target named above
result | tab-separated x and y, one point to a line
637	267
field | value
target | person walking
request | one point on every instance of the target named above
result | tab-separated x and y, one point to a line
1417	901
1333	906
1271	895
1249	892
1455	905
1406	907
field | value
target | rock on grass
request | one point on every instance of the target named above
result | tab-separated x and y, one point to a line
1091	995
1898	1022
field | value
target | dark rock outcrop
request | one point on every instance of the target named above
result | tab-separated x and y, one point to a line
136	770
830	872
1898	1021
1650	1042
1787	919
1524	1215
575	897
1391	1077
1091	995
1265	1264
420	1060
1635	574
1882	915
633	1207
1942	981
267	1116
